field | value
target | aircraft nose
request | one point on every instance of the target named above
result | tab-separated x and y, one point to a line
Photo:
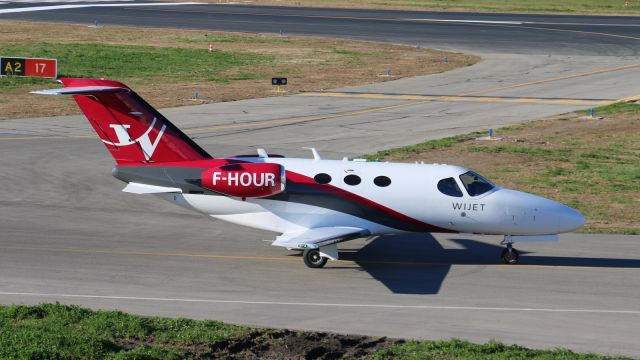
559	218
570	218
534	215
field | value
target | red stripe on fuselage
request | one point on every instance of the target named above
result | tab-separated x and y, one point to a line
299	179
336	191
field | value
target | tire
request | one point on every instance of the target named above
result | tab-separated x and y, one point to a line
510	257
313	259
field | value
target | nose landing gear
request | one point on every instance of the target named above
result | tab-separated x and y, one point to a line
510	255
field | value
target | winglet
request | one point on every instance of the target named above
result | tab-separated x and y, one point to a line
81	90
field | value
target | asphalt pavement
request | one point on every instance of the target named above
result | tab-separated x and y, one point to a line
70	235
475	32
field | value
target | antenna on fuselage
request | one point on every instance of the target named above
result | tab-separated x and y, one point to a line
262	153
316	154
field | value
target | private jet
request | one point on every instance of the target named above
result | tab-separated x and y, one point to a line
313	203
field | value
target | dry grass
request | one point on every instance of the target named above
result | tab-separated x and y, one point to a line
608	7
593	165
310	63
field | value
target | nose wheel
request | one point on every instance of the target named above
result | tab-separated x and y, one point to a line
510	255
313	259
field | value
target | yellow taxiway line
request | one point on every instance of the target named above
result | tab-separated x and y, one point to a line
288	259
412	100
295	120
551	79
479	99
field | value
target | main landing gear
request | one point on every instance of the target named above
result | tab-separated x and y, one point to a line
313	259
509	255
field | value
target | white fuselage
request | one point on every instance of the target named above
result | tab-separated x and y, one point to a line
413	193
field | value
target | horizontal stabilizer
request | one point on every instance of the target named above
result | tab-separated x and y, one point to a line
85	90
317	237
137	188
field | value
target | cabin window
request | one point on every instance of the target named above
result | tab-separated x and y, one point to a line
475	184
352	180
449	187
322	178
382	181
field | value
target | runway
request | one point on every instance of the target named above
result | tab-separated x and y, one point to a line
472	32
70	235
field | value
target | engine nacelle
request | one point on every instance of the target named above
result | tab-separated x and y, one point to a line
246	180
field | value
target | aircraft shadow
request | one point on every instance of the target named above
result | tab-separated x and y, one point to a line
418	264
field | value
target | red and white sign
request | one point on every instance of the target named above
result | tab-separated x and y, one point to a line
46	68
34	67
246	180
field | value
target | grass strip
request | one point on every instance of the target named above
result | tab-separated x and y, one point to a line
55	331
458	349
618	7
441	143
121	61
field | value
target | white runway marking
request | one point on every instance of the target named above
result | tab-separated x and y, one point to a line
62	7
471	21
497	22
277	303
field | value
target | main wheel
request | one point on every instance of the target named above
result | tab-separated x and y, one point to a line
313	259
510	256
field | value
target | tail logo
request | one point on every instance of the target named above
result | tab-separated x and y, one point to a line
144	141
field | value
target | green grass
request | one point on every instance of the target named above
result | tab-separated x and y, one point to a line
619	171
230	38
54	331
351	55
125	62
8	82
457	349
554	154
616	108
423	146
51	331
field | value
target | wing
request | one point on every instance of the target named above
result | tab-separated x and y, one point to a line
318	237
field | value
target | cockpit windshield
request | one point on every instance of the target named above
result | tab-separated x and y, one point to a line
449	187
475	184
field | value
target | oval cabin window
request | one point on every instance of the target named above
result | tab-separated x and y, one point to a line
352	180
322	178
382	181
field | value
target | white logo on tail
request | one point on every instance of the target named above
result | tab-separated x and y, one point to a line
124	139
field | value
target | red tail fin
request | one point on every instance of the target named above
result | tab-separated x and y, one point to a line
130	128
